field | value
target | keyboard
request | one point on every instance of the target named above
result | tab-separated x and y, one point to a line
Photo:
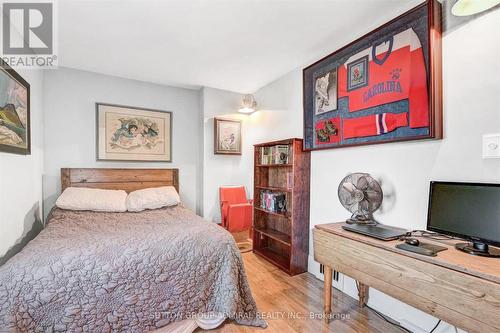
378	231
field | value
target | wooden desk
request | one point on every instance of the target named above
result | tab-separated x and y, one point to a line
461	289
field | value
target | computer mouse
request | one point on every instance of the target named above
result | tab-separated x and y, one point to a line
412	241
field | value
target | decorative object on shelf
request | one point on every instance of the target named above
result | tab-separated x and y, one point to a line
361	195
248	104
281	204
278	154
471	7
126	133
383	87
15	127
227	136
282	154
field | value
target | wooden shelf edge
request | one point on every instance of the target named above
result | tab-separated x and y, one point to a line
279	142
273	165
272	213
276	235
273	188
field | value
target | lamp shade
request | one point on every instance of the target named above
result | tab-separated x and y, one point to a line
248	105
471	7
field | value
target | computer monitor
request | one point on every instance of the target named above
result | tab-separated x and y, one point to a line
466	210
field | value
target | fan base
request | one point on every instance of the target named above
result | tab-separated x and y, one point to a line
355	220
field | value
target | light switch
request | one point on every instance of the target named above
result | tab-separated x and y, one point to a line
491	146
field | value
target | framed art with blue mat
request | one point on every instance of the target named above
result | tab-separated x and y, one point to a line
383	87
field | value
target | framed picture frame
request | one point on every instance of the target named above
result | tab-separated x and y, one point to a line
126	133
326	92
227	136
383	87
15	120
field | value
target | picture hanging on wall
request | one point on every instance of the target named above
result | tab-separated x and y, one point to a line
383	87
127	133
15	135
227	136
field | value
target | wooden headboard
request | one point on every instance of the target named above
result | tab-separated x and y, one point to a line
119	179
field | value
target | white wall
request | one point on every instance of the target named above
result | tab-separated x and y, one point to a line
262	126
21	177
222	170
471	108
69	126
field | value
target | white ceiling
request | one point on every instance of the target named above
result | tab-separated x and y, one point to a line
237	45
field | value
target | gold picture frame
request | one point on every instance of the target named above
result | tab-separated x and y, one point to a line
227	136
125	133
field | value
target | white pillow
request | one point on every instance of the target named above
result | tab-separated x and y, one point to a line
79	198
152	198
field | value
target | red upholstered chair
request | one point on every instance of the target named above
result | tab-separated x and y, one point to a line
236	209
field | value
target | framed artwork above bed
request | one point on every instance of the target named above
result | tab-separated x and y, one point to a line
126	133
15	132
382	87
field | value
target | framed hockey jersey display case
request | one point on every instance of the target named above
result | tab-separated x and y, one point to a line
383	87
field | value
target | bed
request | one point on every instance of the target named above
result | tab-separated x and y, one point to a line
134	272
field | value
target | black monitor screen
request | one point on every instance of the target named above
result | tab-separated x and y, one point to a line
466	210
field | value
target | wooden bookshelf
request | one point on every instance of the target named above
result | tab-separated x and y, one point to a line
283	237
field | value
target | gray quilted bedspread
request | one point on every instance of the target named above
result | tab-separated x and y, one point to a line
130	272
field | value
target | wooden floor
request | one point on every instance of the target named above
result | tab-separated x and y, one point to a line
278	294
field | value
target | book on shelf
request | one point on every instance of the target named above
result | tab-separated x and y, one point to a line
265	155
278	154
289	180
273	201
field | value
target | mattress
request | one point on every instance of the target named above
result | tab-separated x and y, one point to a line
130	272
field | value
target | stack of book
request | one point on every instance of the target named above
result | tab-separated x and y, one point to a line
273	201
279	154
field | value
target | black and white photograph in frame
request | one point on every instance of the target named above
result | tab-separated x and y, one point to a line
326	92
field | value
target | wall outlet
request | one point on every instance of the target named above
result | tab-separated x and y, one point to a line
491	146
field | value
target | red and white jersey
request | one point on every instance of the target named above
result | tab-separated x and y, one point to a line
396	71
375	124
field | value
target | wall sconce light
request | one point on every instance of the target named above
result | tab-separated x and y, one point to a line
248	104
471	7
